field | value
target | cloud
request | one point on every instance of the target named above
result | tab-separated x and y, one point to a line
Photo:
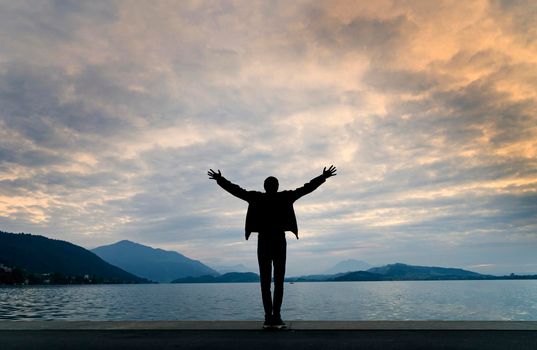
111	115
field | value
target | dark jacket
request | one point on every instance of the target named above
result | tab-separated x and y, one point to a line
270	211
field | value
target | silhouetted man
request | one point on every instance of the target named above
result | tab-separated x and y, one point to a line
270	214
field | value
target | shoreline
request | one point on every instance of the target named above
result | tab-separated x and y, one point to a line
291	281
256	325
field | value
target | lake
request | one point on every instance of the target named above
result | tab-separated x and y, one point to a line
408	300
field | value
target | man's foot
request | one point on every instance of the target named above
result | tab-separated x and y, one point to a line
268	322
277	322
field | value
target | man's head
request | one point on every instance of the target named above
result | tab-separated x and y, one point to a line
271	184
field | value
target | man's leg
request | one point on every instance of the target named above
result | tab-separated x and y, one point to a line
265	274
279	275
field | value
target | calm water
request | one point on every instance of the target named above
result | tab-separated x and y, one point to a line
423	300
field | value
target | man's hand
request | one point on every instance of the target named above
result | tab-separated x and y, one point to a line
331	171
214	175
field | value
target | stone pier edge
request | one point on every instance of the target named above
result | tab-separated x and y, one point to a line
257	325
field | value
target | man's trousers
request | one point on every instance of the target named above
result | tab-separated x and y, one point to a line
272	250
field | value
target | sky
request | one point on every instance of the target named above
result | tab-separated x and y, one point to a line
111	113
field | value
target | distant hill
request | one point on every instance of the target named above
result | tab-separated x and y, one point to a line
360	276
400	271
42	255
348	266
404	272
313	278
231	277
155	264
231	268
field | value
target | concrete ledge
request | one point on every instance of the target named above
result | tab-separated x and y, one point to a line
248	335
257	325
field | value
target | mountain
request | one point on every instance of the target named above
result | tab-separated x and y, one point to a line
347	266
360	276
403	272
41	255
231	277
232	268
400	271
154	264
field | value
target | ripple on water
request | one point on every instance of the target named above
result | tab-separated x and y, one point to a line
417	300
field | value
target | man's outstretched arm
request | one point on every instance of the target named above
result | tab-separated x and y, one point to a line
227	185
316	182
